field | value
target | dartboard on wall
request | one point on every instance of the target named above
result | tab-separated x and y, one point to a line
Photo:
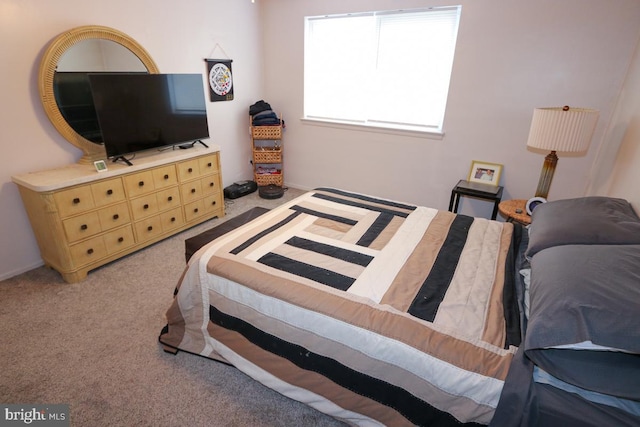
220	79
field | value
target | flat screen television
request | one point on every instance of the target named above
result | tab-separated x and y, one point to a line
139	112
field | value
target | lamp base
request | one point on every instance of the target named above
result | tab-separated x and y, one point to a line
546	175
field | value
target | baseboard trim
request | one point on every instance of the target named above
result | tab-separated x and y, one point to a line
13	273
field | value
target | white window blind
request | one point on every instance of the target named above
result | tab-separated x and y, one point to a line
389	69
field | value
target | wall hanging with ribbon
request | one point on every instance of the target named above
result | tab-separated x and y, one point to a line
220	76
220	79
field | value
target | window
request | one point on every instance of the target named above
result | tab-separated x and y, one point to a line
385	69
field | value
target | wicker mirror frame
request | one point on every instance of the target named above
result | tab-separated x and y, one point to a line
49	64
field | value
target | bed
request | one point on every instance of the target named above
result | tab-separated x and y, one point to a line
375	312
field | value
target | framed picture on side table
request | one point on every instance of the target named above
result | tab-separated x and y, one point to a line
485	173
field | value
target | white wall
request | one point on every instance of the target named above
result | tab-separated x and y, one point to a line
511	57
617	171
177	34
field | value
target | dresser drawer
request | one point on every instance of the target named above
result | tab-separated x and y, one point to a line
168	198
208	164
212	203
108	192
82	226
172	219
194	210
210	184
164	177
191	191
144	206
119	240
148	228
140	183
88	251
114	216
188	170
74	201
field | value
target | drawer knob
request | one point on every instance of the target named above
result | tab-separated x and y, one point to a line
170	198
116	216
213	203
166	176
209	164
109	192
141	184
193	190
149	228
83	227
76	201
89	251
120	239
146	206
190	170
211	184
173	219
195	210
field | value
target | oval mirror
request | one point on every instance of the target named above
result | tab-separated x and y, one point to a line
64	85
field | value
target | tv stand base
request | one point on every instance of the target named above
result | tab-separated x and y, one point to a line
191	145
124	159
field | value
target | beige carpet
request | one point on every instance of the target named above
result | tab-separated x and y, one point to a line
93	345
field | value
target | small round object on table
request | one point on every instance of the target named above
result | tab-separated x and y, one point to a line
510	208
533	202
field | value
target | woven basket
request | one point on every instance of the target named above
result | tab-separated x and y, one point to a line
267	156
266	132
266	179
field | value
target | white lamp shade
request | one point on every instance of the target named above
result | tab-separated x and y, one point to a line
562	128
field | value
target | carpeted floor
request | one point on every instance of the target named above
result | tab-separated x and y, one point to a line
93	345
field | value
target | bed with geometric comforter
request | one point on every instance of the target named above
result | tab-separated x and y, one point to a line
372	311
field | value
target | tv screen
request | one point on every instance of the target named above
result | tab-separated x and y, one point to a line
139	112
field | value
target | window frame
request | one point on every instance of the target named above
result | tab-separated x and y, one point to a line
433	131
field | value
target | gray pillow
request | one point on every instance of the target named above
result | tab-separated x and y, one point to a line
586	220
584	323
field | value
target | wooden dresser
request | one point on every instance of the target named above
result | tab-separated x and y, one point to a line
83	219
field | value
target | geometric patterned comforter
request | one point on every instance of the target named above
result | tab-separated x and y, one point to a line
372	311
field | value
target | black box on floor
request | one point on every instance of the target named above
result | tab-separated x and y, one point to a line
239	189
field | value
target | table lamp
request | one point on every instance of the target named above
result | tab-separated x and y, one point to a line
559	129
